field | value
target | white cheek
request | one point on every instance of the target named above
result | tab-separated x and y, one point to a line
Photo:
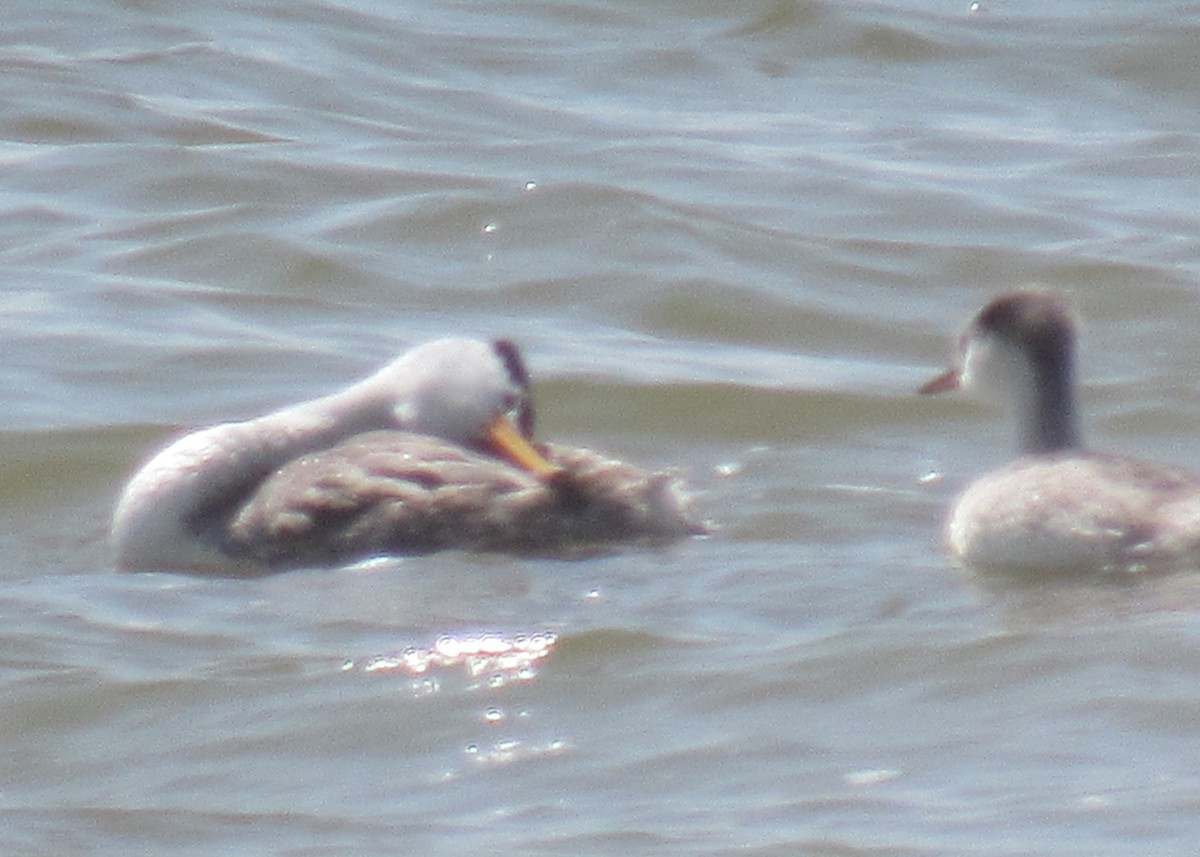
991	371
975	366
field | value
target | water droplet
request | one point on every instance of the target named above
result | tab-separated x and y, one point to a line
448	647
493	644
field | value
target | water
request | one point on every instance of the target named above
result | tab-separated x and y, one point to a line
731	238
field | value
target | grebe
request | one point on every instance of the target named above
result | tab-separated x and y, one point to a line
431	452
1059	506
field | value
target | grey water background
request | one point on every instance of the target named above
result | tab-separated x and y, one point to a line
731	237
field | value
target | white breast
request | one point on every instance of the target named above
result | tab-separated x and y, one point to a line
1077	509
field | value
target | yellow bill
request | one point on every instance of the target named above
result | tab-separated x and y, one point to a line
508	442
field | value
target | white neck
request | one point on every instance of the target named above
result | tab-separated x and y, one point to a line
175	507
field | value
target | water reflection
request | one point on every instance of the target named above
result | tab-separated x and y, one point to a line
490	659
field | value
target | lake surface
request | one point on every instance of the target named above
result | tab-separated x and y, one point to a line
732	238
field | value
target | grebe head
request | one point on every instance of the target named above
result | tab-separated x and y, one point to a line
1019	352
467	391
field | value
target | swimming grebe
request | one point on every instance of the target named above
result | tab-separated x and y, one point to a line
433	451
1058	506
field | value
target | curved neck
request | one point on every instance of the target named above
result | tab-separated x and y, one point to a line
251	450
174	511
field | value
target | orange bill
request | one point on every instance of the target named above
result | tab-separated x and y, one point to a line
512	445
948	380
